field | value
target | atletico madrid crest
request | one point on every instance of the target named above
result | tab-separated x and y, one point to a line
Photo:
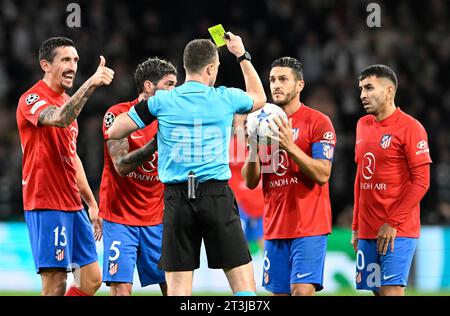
328	151
266	277
358	277
295	131
385	141
113	267
59	254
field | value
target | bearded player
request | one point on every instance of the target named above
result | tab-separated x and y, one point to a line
53	178
131	195
393	174
297	211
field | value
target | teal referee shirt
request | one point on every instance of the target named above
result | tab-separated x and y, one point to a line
194	129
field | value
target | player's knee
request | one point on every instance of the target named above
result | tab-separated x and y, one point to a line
54	289
91	283
303	290
96	281
53	283
90	279
122	292
391	291
121	289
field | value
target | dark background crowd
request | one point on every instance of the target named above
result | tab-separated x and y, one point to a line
330	37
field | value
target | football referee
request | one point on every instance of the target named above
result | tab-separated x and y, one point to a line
194	127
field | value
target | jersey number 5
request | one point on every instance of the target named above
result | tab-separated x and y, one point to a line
114	249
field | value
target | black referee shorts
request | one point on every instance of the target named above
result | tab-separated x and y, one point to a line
213	217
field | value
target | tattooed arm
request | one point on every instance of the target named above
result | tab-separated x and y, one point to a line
125	161
63	116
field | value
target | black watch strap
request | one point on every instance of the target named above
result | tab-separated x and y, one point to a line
246	56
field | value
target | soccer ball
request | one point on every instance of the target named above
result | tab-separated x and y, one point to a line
258	122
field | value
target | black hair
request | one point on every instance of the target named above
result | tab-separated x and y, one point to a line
153	69
292	63
47	48
379	71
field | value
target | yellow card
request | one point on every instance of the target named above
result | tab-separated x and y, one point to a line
217	32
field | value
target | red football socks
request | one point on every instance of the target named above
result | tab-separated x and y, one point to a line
73	291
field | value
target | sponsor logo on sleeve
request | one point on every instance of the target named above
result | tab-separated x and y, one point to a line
328	135
328	138
422	144
423	147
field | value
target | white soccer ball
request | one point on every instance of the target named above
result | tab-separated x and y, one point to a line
258	122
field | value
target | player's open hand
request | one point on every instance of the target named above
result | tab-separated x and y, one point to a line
282	135
97	222
234	44
386	236
103	75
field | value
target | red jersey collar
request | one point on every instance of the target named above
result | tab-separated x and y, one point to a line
298	110
390	118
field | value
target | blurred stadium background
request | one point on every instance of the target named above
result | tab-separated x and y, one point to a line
331	39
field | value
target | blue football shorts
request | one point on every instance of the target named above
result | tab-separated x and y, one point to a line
293	261
60	239
374	270
129	246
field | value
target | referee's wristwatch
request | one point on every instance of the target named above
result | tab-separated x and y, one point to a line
246	56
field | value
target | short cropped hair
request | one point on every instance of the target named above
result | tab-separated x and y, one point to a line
47	48
290	62
379	71
153	69
197	54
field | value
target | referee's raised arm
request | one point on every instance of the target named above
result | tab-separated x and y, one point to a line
253	84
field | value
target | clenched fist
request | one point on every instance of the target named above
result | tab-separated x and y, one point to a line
234	44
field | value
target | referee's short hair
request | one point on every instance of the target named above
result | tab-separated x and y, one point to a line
290	62
379	71
47	48
153	69
197	54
